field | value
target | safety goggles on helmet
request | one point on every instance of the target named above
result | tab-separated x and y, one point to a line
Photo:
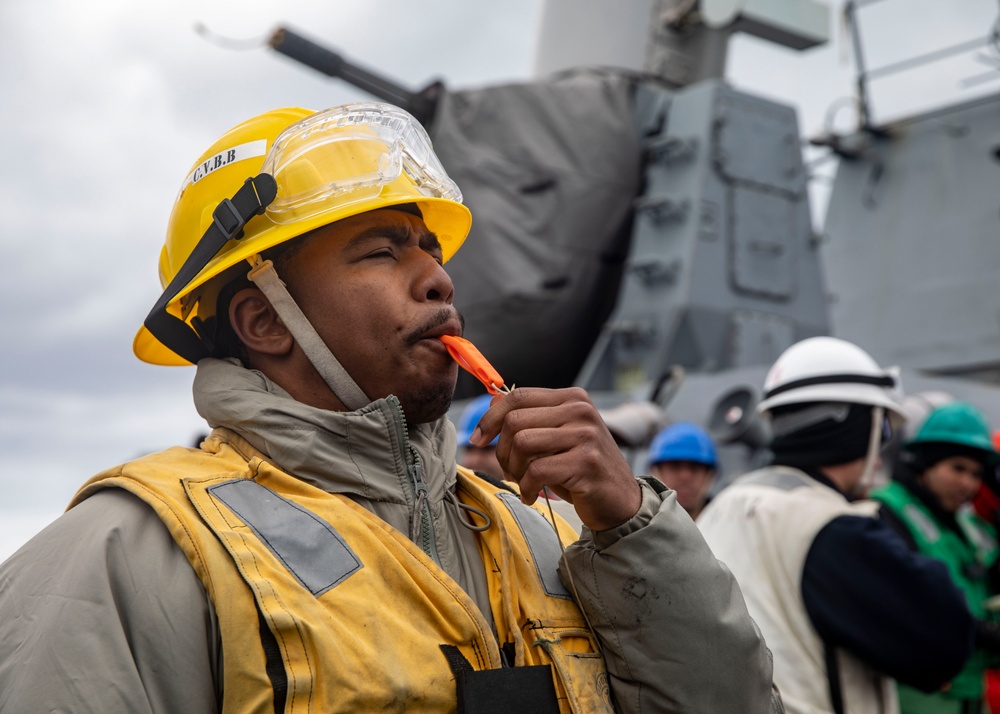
349	153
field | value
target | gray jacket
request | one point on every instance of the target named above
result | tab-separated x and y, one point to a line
102	612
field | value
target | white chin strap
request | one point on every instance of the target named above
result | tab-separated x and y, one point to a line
316	351
874	444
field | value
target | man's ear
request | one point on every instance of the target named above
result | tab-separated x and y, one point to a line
257	325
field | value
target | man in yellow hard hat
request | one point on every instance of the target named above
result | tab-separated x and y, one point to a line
321	551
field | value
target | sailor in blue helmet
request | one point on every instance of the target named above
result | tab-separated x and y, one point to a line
682	456
478	458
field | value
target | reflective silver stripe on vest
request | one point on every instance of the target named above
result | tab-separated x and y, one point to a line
778	479
922	522
306	545
974	533
542	542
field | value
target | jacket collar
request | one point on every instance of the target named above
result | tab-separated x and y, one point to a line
360	454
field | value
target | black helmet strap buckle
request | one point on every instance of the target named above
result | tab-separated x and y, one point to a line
228	221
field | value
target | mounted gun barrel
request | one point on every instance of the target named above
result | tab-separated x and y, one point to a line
301	49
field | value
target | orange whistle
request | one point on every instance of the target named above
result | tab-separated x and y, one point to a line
472	361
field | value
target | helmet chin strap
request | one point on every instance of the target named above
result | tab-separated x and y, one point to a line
871	458
333	373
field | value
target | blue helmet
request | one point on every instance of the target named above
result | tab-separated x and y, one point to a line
683	441
471	415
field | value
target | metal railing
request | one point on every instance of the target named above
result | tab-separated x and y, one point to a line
865	75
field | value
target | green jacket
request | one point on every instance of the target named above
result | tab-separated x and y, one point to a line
968	558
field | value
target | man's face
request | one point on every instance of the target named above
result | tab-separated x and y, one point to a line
953	481
373	287
690	480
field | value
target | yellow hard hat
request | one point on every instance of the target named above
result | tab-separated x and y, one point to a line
325	166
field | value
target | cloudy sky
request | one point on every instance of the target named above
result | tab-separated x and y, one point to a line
107	103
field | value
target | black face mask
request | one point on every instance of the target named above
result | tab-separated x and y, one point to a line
828	442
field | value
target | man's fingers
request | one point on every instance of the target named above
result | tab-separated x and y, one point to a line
515	453
519	423
523	399
556	438
551	470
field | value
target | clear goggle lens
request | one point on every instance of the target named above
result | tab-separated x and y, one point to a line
350	154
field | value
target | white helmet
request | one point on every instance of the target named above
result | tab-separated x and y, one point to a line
826	369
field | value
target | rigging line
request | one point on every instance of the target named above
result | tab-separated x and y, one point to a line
569	574
230	43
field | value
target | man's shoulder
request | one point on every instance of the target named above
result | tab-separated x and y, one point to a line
164	472
94	601
109	526
784	502
780	485
112	511
781	478
106	514
218	452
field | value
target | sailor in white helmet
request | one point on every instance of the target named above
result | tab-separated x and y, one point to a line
834	590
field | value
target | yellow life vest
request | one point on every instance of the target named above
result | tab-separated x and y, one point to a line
324	603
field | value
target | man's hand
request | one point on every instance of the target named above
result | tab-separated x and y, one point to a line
556	438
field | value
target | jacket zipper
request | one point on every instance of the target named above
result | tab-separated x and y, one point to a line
424	536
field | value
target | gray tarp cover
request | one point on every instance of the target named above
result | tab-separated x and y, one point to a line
549	171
